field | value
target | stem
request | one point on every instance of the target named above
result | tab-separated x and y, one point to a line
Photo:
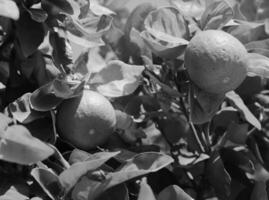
197	137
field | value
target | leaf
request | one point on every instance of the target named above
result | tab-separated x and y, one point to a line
145	192
70	177
37	14
117	79
218	177
259	191
203	105
62	50
257	65
119	192
166	32
192	8
29	33
173	192
238	103
99	9
53	93
21	111
4	122
48	181
238	133
19	146
8	8
62	6
135	167
216	15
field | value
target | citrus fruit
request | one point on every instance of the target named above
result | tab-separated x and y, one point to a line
215	61
86	121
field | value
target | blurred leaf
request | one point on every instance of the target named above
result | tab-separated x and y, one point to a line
71	176
91	28
78	155
173	192
192	8
53	93
259	44
145	192
21	110
259	191
218	177
8	8
19	146
12	188
37	14
135	167
238	103
62	6
238	133
48	181
29	33
62	50
166	32
4	72
216	15
117	79
249	9
203	105
99	9
248	31
4	122
257	65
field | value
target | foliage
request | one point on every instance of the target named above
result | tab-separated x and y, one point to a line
172	140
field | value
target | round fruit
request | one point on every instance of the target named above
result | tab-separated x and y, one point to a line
86	121
215	61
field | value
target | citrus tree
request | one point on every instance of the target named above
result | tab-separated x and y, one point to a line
121	99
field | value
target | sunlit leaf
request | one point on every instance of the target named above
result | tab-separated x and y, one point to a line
19	146
48	181
99	9
135	167
117	79
166	32
173	192
145	192
216	15
258	65
8	8
21	110
239	104
69	177
4	122
51	95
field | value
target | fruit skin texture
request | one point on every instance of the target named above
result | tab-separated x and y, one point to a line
86	121
215	61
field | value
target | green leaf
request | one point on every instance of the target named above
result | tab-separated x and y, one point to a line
218	177
239	104
8	8
192	8
21	110
145	192
48	181
62	50
70	177
49	96
4	122
29	33
61	6
19	146
173	192
166	32
257	65
138	166
117	79
216	15
203	105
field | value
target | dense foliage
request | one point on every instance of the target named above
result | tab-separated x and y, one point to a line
172	140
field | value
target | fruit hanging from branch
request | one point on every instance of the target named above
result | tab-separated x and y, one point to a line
216	61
